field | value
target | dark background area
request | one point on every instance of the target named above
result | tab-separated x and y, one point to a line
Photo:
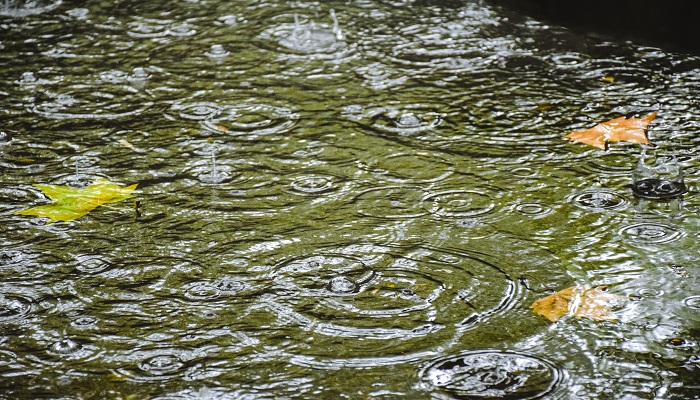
671	24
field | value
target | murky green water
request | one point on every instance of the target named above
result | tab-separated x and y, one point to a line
360	211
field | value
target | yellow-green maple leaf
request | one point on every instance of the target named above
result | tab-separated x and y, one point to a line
69	203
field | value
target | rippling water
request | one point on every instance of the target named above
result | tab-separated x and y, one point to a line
338	200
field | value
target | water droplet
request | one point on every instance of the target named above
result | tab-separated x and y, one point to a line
84	321
308	37
341	285
64	347
161	364
405	121
217	52
493	374
658	189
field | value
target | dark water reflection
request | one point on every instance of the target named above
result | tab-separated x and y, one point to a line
338	200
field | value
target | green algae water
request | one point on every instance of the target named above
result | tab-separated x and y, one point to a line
339	200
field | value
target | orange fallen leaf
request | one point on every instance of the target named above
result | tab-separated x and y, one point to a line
620	129
579	301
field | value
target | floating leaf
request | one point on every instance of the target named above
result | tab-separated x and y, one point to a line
579	301
69	203
616	130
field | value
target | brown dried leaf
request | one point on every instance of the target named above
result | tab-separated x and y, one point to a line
620	129
579	301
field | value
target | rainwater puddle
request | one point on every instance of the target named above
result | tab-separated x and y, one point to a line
357	200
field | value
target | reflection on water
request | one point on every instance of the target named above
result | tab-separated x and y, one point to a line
346	200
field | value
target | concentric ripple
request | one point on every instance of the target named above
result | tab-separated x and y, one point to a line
491	374
406	120
418	167
161	364
599	200
92	263
391	202
692	302
197	111
458	203
84	102
354	292
209	290
651	232
312	184
251	119
155	365
533	209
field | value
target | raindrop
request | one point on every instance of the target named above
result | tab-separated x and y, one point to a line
138	78
659	181
310	37
599	200
493	374
649	232
658	189
342	285
215	175
217	52
404	121
181	30
161	364
64	347
27	78
84	321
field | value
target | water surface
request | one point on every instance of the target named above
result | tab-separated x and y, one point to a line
338	200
